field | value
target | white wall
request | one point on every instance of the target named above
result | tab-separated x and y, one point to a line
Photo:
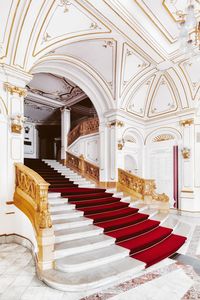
88	146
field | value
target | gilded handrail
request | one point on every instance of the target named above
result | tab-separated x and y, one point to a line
85	127
139	186
83	167
33	185
31	197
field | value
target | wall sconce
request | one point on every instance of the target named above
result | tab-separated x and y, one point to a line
186	153
17	123
120	144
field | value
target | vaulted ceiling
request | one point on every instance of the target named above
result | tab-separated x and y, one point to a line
131	46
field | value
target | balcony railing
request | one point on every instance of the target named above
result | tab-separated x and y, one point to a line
88	126
83	167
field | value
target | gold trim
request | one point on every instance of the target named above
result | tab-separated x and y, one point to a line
170	37
154	94
123	64
11	28
186	122
160	129
115	123
189	82
34	53
12	89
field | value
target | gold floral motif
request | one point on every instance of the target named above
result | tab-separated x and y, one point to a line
163	137
12	89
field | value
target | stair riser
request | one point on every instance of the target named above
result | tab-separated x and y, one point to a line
73	225
81	249
80	235
62	207
66	216
97	286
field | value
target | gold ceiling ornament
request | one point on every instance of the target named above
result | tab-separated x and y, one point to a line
65	4
187	122
163	137
12	89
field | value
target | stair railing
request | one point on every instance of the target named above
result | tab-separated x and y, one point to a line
139	188
83	167
88	126
31	197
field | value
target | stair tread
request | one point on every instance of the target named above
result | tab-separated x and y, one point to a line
86	278
161	250
83	229
146	240
134	230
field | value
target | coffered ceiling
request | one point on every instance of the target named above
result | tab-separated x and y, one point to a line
130	47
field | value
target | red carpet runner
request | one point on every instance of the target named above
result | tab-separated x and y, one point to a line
146	240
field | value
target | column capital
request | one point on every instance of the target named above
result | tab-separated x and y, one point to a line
186	122
65	108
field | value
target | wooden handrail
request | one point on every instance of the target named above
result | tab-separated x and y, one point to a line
88	126
31	197
83	167
139	187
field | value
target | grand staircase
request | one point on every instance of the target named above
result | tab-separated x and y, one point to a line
100	238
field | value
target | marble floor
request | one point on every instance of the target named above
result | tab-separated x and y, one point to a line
173	279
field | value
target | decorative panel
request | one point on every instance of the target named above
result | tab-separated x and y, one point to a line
138	102
132	64
65	21
16	148
191	71
163	99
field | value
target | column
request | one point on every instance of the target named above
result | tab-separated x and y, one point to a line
65	128
111	145
186	154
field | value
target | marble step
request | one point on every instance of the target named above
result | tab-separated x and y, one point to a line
90	185
82	245
139	204
118	194
91	259
111	190
76	233
57	201
60	207
160	217
183	229
149	211
126	199
54	195
66	214
71	223
170	222
109	274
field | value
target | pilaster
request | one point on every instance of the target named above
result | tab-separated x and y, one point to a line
65	128
12	93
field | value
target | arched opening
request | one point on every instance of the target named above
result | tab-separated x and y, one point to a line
47	95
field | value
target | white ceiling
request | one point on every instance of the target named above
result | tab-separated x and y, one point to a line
130	46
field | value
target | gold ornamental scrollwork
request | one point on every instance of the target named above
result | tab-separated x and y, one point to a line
12	89
187	122
140	186
115	123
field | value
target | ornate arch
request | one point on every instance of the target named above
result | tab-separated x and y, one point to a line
80	74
